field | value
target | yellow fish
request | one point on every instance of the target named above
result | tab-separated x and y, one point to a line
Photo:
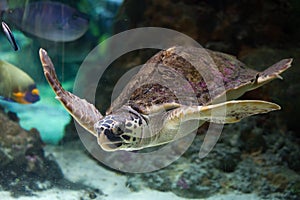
16	85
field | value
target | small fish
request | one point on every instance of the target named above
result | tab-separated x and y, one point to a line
48	20
9	35
16	85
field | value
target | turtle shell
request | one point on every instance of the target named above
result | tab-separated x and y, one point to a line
183	75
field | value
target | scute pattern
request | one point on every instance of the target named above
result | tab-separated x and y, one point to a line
169	77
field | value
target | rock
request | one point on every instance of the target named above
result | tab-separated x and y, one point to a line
253	141
296	188
227	158
24	166
235	24
267	168
18	147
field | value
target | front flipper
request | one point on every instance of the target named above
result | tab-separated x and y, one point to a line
84	113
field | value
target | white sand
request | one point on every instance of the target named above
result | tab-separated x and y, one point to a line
78	167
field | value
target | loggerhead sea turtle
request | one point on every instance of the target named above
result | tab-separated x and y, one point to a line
150	114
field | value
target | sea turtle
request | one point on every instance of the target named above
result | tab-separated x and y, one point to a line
148	114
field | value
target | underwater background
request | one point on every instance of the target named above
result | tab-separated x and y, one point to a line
41	155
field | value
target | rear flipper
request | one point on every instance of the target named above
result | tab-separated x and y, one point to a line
83	112
227	112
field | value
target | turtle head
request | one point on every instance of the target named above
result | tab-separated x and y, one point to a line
121	130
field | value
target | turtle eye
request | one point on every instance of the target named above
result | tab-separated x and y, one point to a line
111	136
126	137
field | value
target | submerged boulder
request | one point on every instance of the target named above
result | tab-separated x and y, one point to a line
23	164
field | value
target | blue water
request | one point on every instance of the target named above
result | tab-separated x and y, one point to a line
257	158
47	115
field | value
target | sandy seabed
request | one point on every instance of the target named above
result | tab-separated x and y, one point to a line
78	167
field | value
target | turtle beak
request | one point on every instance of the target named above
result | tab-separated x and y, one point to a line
108	141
